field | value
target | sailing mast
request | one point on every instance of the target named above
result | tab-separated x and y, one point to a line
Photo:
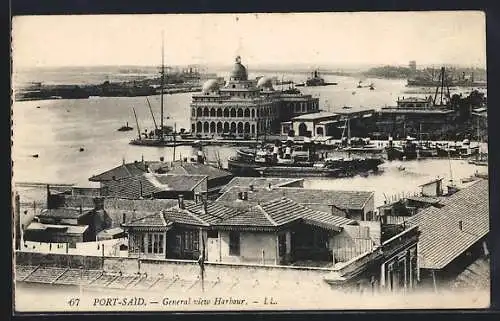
152	114
162	83
137	123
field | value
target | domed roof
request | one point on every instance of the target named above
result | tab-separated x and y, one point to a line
239	71
210	85
265	83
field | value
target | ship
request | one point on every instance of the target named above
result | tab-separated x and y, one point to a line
295	161
125	128
406	151
428	80
316	80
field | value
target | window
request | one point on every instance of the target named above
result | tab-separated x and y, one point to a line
155	243
234	243
213	234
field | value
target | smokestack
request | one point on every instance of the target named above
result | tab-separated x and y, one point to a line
181	201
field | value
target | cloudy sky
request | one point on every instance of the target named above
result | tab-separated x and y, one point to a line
321	38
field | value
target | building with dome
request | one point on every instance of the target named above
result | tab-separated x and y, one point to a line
245	108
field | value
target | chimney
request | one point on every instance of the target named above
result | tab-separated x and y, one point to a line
461	225
251	188
142	159
240	195
124	218
245	196
162	159
205	207
181	201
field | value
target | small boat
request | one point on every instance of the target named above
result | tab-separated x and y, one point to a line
372	87
125	128
34	155
401	168
37	106
82	149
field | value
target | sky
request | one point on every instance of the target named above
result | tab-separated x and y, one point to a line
373	38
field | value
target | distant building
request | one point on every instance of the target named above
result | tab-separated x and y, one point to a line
243	107
412	65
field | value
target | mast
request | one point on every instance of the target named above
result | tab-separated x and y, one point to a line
152	115
137	123
162	83
175	131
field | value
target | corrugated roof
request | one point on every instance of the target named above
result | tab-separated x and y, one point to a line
441	240
316	115
349	200
260	182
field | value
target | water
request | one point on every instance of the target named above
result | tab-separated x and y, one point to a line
59	128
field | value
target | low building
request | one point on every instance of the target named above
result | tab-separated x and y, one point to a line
58	233
263	182
357	205
216	178
156	186
453	235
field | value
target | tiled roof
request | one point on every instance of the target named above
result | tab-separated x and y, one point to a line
280	212
64	212
425	199
441	240
215	212
198	169
153	220
475	276
148	184
284	210
122	171
350	200
260	182
183	216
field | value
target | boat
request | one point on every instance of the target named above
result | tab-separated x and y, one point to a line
372	87
162	135
316	80
295	161
406	151
355	144
125	128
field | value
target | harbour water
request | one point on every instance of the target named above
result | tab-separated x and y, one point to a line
58	129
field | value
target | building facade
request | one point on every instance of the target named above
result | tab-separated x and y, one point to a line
243	107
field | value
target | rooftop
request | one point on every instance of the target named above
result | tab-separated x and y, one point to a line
148	184
441	239
316	116
414	111
68	229
260	182
351	200
122	171
476	275
65	212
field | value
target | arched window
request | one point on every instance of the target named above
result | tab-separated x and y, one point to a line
193	128
302	129
205	127
212	112
247	128
240	127
219	112
253	113
233	112
233	127
226	127
247	112
219	127
253	128
206	112
212	127
198	112
226	112
240	112
199	127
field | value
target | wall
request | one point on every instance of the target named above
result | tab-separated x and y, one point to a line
352	241
111	247
251	246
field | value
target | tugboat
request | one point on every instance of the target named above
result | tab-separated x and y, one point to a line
291	161
407	151
125	128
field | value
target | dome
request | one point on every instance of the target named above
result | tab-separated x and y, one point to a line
239	71
265	83
210	86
